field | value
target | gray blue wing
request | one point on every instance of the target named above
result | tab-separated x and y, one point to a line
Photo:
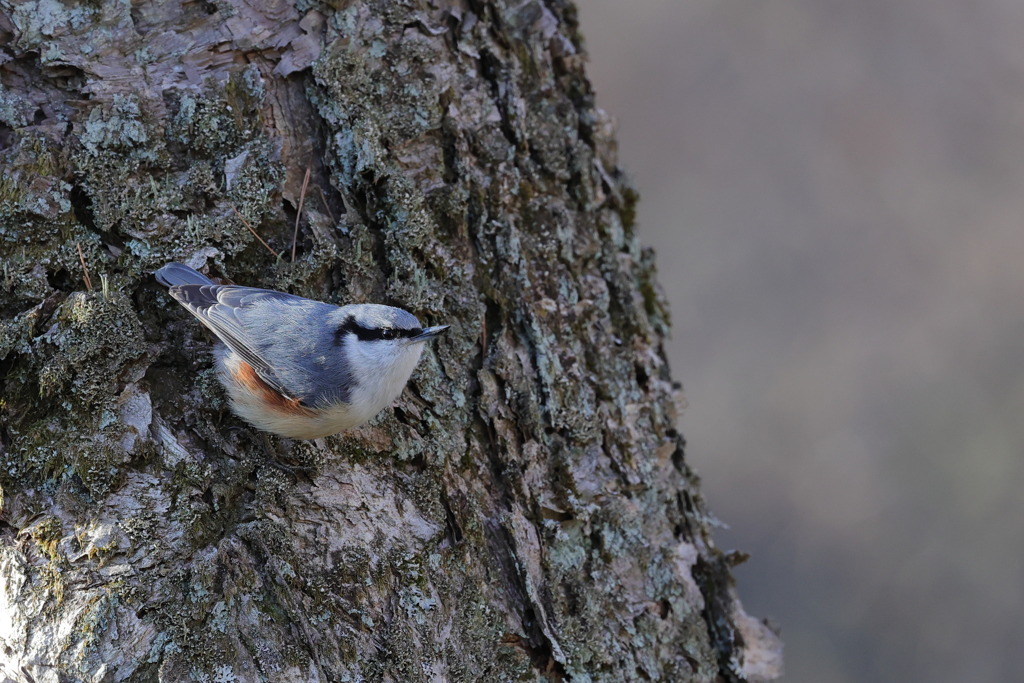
222	308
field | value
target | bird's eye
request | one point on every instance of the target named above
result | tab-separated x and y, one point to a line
387	334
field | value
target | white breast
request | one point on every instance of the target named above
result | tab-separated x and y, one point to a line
379	380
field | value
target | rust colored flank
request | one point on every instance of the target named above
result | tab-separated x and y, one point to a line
247	377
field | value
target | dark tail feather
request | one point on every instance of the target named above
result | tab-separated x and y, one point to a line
179	274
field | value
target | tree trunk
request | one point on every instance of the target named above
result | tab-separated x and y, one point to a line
523	513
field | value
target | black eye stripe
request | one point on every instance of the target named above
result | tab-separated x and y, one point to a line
350	326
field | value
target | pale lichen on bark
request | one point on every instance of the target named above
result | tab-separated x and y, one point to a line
524	512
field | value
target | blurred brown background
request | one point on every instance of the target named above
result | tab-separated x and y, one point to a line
835	192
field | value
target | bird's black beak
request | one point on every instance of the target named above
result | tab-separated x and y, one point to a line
429	333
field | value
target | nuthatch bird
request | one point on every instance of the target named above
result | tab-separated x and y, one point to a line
297	367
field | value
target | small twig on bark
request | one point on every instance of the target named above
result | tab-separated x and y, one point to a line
327	206
298	214
483	336
85	271
254	233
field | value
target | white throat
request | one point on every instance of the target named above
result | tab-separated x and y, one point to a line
380	371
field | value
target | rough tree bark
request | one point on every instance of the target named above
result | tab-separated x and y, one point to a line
524	512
